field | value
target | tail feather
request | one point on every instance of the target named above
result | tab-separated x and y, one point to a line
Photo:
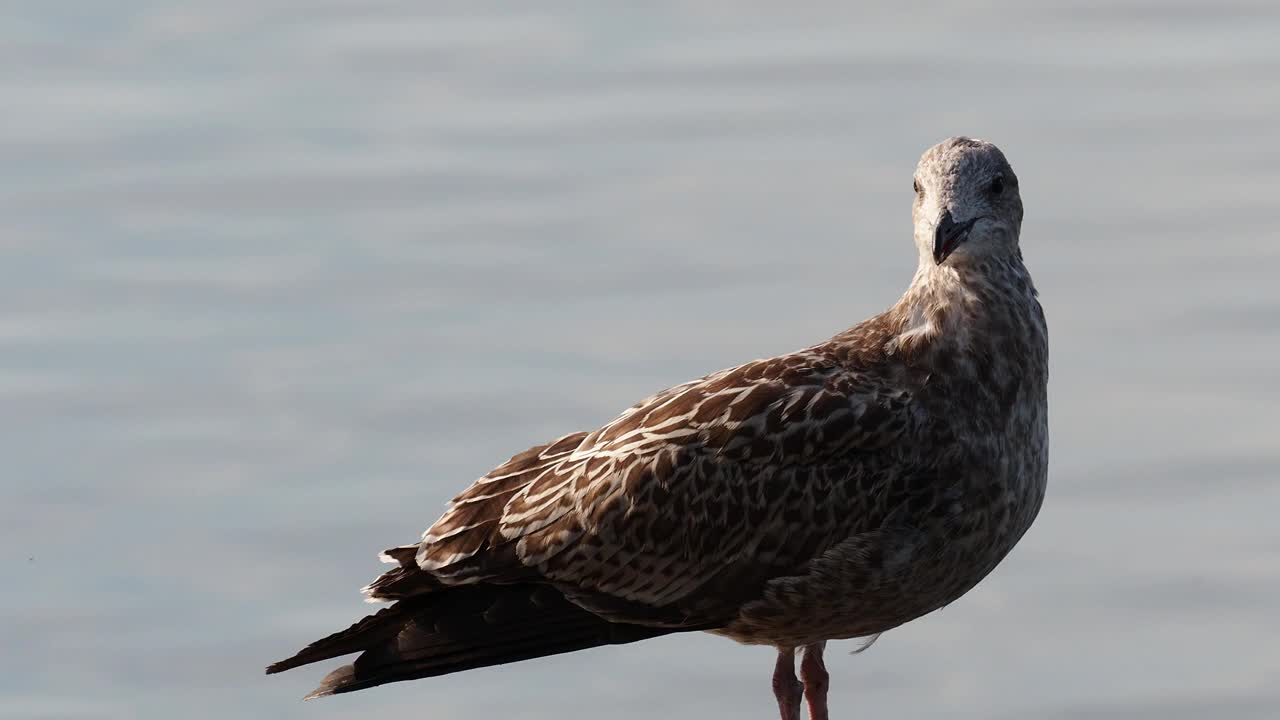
374	628
461	628
375	669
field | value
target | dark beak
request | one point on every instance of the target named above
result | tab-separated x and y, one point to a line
949	235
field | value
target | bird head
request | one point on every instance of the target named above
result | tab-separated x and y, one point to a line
967	207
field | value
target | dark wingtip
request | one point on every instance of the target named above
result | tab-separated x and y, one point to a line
311	653
364	634
292	662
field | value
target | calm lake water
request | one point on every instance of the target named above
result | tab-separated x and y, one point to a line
277	278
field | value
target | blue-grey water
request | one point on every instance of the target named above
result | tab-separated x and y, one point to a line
277	278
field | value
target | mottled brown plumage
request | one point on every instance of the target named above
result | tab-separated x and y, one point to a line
833	492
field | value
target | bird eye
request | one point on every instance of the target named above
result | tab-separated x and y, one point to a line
915	185
997	185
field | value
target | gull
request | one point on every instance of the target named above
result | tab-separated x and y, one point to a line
834	492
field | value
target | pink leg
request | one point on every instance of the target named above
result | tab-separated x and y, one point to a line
786	688
816	680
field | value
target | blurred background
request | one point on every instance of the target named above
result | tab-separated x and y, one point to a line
278	278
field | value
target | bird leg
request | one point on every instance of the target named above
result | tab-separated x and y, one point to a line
816	680
786	688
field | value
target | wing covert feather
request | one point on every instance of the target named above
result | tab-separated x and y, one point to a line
715	485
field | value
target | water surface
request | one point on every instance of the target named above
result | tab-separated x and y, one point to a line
277	278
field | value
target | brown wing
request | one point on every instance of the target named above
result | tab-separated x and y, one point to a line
680	509
673	517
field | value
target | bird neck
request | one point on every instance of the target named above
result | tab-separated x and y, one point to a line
957	301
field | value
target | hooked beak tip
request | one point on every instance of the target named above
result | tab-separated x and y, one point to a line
949	235
939	254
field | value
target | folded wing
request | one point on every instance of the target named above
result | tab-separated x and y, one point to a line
669	518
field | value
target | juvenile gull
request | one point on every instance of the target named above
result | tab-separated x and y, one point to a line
834	492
